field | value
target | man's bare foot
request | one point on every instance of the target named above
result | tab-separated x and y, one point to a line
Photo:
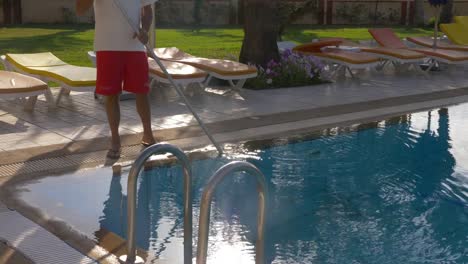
147	141
114	151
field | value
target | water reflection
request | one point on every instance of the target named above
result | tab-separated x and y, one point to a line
385	194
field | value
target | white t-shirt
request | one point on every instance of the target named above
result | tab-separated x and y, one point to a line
112	31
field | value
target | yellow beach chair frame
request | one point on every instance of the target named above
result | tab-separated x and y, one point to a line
47	67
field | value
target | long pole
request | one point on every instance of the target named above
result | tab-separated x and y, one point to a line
169	77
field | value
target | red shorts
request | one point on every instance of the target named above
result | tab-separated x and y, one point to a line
121	70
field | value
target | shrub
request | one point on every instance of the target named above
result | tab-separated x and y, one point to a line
292	70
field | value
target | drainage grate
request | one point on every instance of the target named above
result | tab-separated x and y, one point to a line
54	165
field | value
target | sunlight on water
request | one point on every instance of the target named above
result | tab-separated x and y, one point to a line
394	192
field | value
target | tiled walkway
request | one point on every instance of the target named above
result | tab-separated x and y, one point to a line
80	117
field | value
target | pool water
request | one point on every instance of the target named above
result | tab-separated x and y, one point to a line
394	191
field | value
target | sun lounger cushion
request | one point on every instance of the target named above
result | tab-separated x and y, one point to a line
16	83
318	45
48	65
403	54
427	42
387	38
457	33
176	70
449	55
344	56
221	67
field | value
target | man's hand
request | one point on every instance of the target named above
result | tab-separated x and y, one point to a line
146	19
82	6
142	36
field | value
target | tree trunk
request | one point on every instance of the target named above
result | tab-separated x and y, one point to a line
260	32
419	12
446	15
12	12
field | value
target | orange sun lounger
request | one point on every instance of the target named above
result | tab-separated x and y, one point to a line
395	56
221	69
387	38
428	41
348	60
16	85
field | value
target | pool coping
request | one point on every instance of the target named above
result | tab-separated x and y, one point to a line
262	128
171	134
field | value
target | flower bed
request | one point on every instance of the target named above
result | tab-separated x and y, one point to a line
292	70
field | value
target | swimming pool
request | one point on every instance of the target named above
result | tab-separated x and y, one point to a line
394	191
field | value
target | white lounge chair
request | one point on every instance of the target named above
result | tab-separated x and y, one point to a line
228	70
16	85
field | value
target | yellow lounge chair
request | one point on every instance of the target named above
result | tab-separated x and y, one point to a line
387	38
16	85
47	67
457	33
346	60
428	41
221	69
461	20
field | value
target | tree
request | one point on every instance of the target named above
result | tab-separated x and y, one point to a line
419	12
447	12
260	32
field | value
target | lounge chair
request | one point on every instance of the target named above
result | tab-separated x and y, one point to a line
428	42
457	33
346	60
387	38
16	85
461	20
397	57
47	67
221	69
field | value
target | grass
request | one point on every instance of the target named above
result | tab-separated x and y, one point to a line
71	42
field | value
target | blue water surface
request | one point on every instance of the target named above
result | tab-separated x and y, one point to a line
394	191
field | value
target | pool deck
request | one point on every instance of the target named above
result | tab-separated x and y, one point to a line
76	135
79	124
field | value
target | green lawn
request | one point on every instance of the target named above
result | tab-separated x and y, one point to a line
71	42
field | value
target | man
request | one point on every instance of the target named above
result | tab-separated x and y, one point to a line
121	60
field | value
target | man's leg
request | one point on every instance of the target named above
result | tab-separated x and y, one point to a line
144	111
137	82
109	66
113	117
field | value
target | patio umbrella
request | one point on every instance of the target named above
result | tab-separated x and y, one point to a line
438	5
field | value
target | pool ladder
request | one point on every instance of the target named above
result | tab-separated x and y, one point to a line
205	204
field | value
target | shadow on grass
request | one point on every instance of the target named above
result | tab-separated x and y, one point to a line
59	41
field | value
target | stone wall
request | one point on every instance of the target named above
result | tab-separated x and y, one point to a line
226	12
181	12
55	11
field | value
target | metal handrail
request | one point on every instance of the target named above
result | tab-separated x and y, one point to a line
205	208
159	148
